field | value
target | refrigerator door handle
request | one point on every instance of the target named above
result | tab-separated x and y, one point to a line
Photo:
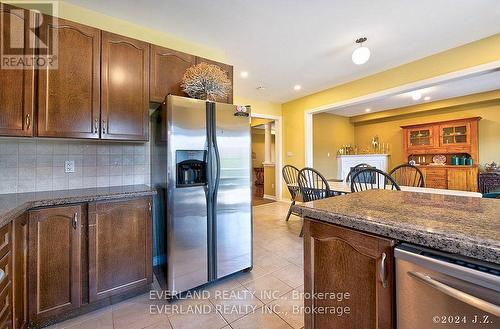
217	163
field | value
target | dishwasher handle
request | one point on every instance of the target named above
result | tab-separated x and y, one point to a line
457	294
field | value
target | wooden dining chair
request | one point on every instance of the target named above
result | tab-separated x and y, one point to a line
408	175
291	177
372	178
355	169
313	186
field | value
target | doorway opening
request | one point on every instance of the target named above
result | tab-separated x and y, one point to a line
266	160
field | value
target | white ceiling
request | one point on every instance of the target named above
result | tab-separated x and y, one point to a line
476	83
282	43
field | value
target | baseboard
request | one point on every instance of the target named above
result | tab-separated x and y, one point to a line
269	197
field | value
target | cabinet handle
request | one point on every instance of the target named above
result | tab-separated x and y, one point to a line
28	121
96	126
2	275
383	274
103	126
75	220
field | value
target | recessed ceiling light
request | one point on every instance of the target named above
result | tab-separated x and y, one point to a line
368	110
416	96
426	98
297	87
361	55
244	74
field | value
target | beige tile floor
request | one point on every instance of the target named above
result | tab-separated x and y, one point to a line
268	297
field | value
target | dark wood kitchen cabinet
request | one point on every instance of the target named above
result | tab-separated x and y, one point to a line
17	85
167	69
20	271
226	68
6	276
120	247
341	260
124	88
54	273
68	96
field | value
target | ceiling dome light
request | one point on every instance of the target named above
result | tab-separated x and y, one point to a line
361	55
368	110
416	96
297	87
244	74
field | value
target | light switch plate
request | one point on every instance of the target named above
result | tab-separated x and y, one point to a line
69	166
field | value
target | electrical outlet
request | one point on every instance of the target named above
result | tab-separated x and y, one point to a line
69	166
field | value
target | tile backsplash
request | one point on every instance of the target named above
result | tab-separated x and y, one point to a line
28	165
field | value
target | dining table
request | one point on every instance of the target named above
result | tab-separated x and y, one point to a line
345	187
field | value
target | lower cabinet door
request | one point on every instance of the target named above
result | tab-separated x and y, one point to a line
54	261
348	281
120	247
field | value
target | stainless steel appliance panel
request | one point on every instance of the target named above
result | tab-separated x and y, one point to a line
233	223
187	206
435	290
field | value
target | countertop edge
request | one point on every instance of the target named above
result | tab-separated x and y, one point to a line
461	246
9	216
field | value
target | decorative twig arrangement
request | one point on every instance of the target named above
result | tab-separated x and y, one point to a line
206	81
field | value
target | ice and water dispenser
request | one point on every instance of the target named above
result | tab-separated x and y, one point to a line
191	168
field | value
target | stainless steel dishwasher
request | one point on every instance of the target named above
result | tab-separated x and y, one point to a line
440	290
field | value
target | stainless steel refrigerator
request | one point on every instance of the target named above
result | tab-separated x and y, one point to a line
201	167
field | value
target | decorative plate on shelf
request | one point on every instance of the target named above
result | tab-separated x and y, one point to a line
439	159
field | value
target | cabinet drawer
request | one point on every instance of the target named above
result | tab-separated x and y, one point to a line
433	174
4	240
436	183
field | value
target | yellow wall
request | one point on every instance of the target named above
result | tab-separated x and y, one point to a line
476	53
269	180
257	147
330	132
389	130
259	107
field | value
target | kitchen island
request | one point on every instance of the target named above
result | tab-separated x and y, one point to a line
349	244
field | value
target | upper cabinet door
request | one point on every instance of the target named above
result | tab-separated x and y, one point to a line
125	88
68	97
167	69
17	85
226	68
454	134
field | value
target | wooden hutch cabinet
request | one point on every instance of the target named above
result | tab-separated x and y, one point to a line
449	138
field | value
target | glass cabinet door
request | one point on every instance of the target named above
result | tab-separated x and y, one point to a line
454	134
420	137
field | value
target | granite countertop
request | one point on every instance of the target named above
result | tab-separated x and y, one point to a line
462	225
13	205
